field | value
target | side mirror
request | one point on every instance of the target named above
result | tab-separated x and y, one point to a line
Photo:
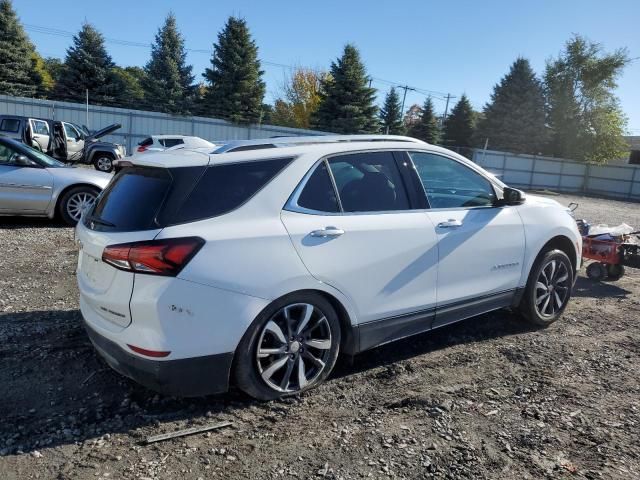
25	161
512	196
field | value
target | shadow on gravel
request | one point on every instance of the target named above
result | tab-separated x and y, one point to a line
588	288
57	391
13	223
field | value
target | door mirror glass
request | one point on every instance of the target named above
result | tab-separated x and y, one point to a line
512	196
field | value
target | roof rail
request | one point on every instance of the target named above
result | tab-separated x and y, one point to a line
279	142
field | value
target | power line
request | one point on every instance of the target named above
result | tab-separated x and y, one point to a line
128	43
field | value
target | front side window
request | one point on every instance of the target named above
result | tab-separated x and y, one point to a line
71	132
7	155
40	127
450	184
369	182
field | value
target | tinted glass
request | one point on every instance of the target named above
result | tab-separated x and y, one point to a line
369	182
318	193
10	125
450	184
132	200
146	142
172	142
225	187
7	154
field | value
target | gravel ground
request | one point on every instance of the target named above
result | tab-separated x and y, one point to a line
486	398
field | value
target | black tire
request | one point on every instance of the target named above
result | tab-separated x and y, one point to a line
615	272
596	271
534	307
103	162
64	210
247	363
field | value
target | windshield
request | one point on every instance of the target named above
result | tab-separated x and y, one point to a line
43	159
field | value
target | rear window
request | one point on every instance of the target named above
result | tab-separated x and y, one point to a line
143	198
146	142
225	187
10	125
137	196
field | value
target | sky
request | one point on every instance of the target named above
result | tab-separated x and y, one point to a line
444	47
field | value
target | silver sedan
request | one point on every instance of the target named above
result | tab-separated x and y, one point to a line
34	184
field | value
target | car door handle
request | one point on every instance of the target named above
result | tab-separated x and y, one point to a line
451	223
327	232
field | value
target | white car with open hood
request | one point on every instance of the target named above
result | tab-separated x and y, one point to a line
259	264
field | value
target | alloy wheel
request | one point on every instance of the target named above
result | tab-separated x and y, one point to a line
104	164
294	347
78	202
552	288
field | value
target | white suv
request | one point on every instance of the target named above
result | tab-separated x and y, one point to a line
260	266
159	143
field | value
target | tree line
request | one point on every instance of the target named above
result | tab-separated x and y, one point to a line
571	111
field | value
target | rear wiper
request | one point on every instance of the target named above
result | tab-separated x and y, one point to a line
101	222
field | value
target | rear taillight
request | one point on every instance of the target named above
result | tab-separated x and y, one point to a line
142	148
156	257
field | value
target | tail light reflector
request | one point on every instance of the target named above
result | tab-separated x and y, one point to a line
156	257
142	148
148	353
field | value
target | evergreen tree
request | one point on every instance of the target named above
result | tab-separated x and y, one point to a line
235	87
458	126
168	81
54	66
391	114
347	101
514	118
87	66
426	128
16	70
582	111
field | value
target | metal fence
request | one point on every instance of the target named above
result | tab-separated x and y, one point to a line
138	124
536	172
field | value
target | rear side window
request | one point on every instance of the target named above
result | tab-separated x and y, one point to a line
369	182
171	142
318	193
225	187
10	125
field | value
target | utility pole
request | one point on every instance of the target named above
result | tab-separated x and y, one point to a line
446	107
87	113
404	97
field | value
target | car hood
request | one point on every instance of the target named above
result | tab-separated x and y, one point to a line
69	175
540	200
104	131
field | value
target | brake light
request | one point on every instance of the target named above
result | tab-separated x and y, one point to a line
156	257
142	148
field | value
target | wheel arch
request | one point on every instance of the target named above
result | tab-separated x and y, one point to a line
563	243
60	195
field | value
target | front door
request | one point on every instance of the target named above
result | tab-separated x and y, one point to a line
23	190
368	243
40	134
74	142
480	246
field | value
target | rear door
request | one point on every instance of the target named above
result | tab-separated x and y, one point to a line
480	246
368	242
23	189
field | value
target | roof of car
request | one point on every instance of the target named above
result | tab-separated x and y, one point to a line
189	157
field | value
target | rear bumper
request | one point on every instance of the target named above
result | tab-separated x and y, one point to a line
189	377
